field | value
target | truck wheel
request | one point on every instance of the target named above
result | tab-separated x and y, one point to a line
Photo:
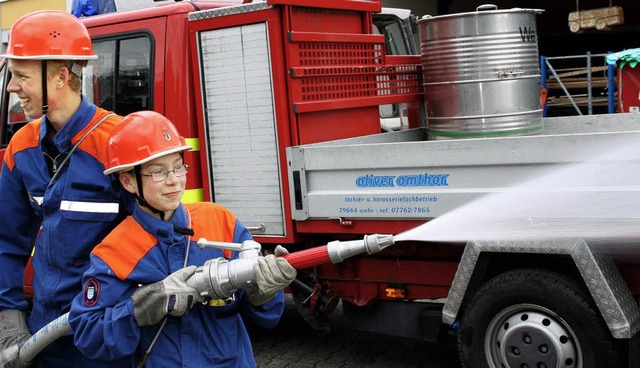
601	24
574	27
534	318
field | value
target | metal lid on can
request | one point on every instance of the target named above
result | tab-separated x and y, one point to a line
484	9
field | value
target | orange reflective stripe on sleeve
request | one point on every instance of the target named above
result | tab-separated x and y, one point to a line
26	137
128	234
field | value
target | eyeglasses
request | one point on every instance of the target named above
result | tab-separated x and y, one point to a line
162	174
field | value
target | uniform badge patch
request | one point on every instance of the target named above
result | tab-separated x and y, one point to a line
91	292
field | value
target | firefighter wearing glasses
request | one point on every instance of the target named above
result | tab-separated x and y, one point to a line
165	322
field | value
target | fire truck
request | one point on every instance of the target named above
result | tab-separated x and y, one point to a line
281	102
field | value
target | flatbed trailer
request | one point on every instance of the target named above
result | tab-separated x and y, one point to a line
403	178
402	175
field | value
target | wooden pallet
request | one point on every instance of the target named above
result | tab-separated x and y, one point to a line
574	78
581	101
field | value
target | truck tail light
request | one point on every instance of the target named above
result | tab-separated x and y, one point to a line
395	293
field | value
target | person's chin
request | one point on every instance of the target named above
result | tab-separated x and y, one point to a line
173	204
31	115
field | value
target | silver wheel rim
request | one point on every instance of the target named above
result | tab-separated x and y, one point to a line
528	335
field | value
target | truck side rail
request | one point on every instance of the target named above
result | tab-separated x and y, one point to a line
401	175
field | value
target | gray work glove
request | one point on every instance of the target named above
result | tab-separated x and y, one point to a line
272	275
169	296
13	333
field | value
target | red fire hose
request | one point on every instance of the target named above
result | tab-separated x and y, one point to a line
308	258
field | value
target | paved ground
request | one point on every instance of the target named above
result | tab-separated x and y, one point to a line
294	344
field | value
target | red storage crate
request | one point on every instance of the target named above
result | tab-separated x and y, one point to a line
629	88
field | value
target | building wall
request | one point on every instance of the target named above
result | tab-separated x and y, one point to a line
12	10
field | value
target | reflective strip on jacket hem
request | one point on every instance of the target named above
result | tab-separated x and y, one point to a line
95	207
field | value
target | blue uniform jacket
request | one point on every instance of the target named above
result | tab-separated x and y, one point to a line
74	212
143	250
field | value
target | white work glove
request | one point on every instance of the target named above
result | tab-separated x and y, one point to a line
272	275
13	333
169	296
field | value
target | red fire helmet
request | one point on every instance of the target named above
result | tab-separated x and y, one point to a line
141	137
49	35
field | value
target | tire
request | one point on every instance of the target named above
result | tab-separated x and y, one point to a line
601	24
574	27
534	318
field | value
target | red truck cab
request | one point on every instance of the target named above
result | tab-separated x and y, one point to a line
150	59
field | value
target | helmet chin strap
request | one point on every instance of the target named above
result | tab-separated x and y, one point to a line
140	195
45	103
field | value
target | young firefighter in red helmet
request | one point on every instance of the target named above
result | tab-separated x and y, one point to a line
52	184
156	247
